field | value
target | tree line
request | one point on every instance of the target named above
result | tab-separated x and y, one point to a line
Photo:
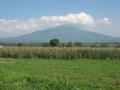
56	43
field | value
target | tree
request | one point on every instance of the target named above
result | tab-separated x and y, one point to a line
54	42
69	44
77	44
45	44
20	44
103	45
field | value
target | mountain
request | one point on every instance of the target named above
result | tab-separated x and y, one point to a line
64	33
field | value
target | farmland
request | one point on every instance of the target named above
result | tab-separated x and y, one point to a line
60	52
53	74
59	68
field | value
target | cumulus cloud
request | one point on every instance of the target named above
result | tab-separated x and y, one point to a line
82	19
104	21
16	25
26	26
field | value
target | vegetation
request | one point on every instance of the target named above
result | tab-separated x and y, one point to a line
60	52
65	44
54	42
49	74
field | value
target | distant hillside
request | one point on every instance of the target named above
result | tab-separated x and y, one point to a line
64	33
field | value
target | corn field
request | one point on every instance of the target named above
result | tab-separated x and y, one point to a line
60	52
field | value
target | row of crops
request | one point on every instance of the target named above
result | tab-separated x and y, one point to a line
60	53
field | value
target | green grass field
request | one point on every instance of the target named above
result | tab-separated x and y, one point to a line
48	74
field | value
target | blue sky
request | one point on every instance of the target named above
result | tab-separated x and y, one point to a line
24	9
29	9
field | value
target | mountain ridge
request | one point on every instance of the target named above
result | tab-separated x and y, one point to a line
64	33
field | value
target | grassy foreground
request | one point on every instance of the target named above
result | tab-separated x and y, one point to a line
39	74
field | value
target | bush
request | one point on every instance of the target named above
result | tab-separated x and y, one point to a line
54	42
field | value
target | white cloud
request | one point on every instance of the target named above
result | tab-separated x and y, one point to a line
16	25
82	19
104	21
26	26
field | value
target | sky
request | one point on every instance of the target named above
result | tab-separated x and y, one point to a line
19	17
